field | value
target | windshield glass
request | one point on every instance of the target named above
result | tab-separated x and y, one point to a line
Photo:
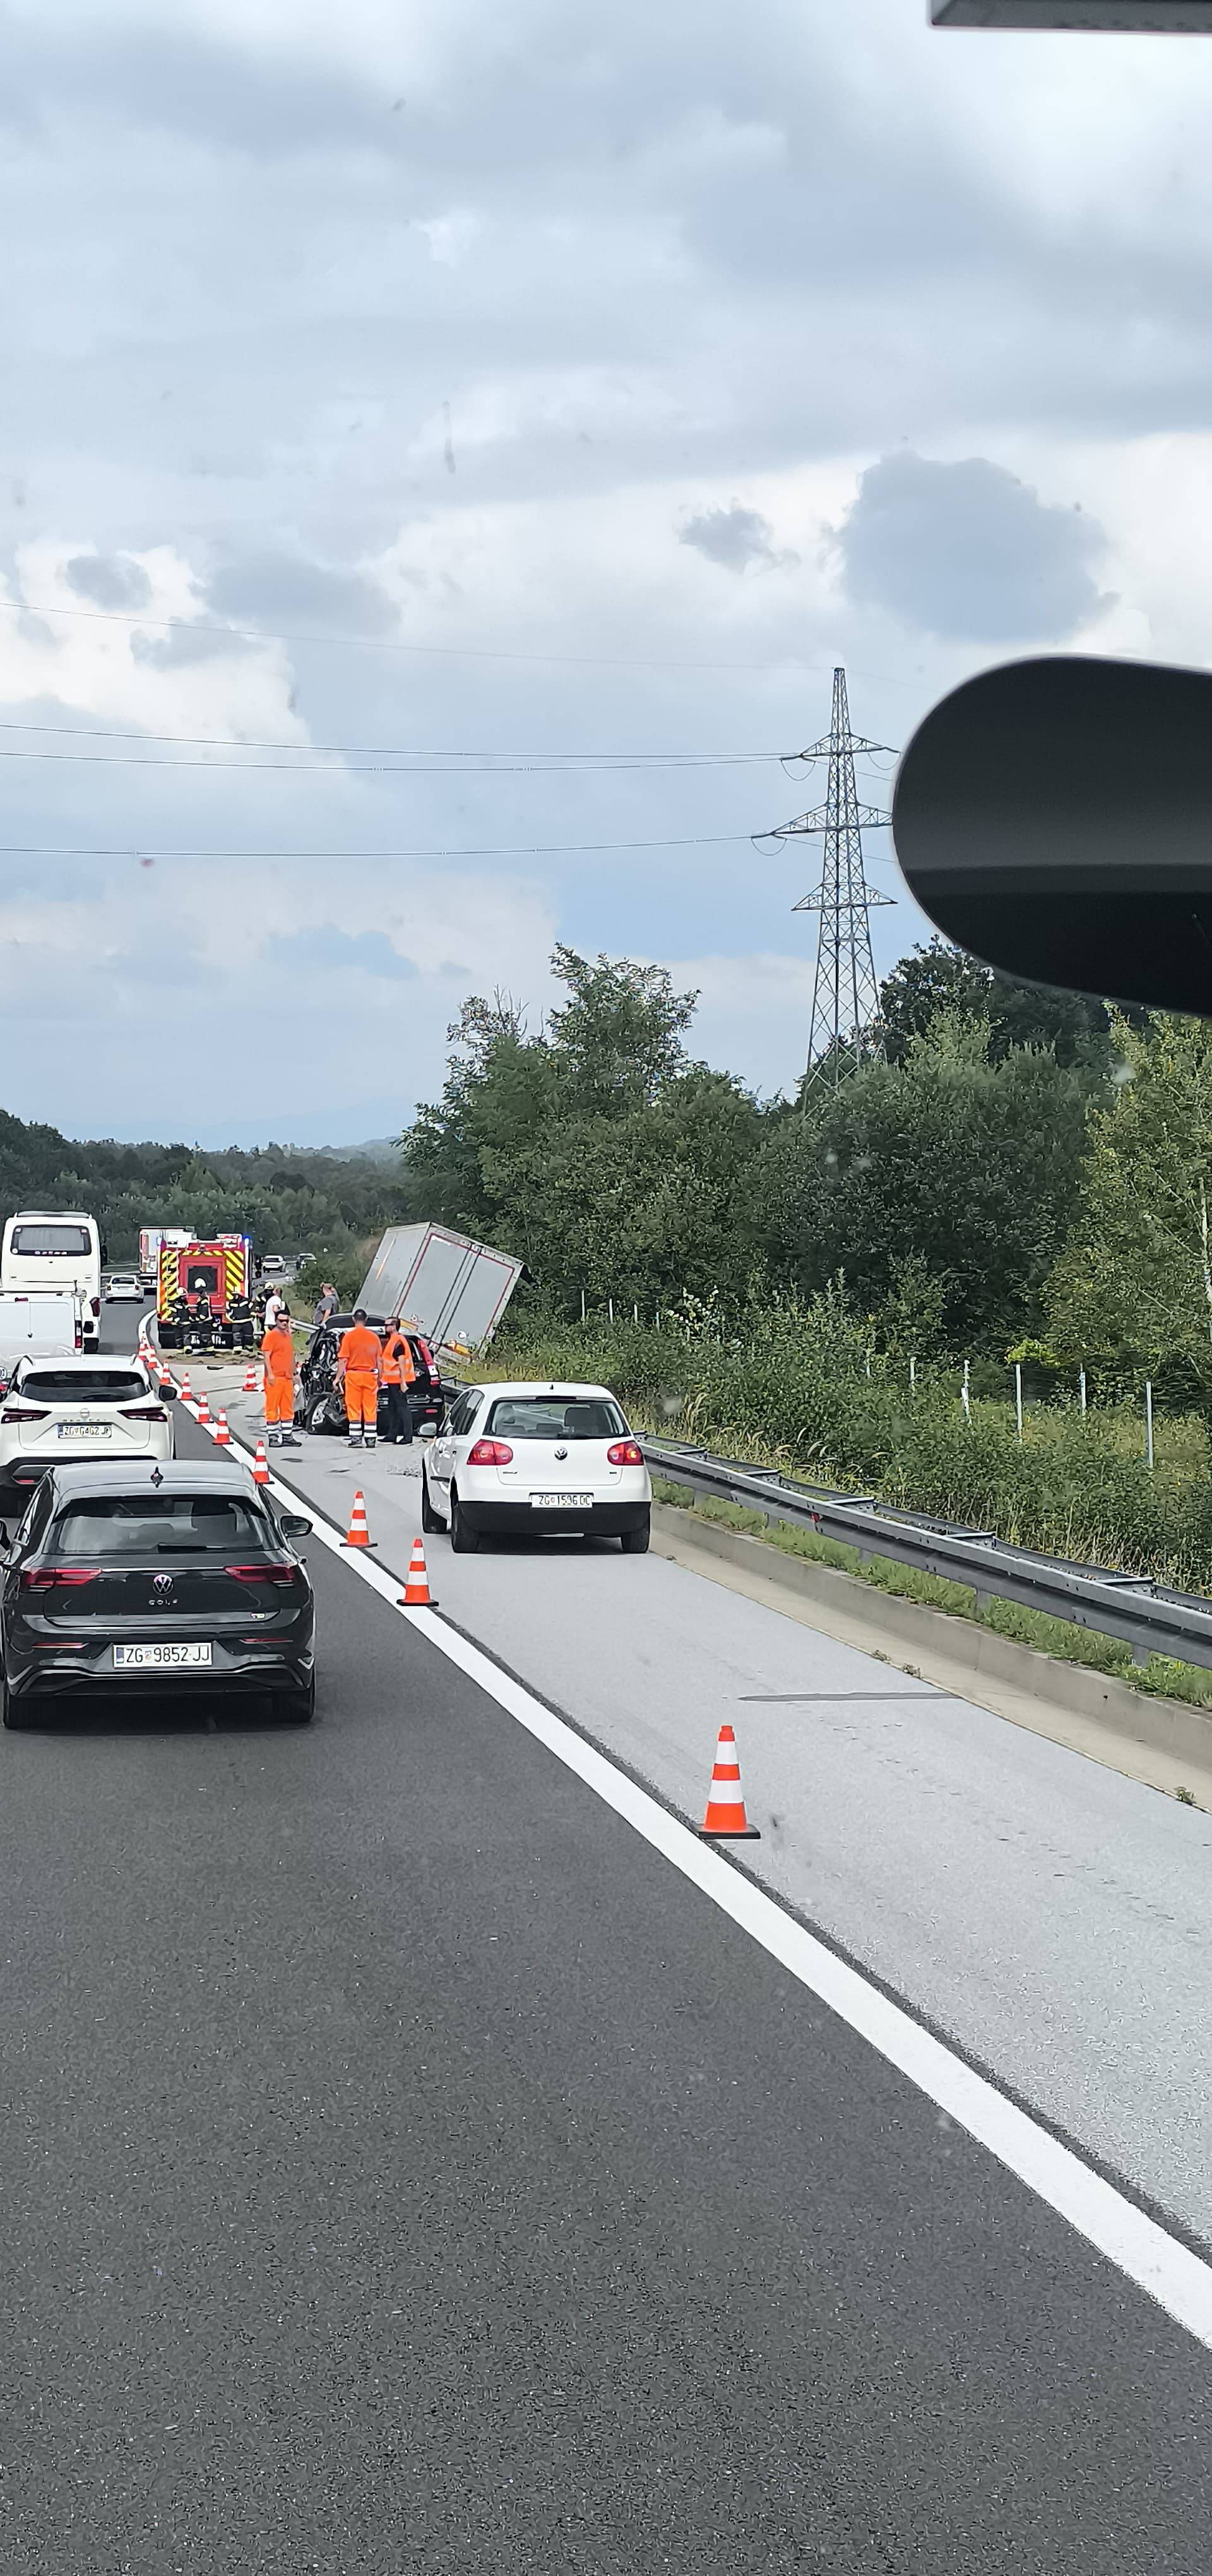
83	1386
555	1417
111	1525
51	1238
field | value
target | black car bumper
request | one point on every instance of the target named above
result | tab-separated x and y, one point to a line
518	1520
41	1670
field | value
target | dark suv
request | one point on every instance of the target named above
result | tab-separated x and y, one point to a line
321	1405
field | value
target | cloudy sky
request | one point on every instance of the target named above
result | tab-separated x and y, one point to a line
548	395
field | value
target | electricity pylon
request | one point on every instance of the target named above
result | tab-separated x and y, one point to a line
845	997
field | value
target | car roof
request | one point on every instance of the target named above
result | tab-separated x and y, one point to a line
86	1360
162	1476
545	1386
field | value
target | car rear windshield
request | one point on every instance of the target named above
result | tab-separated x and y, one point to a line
50	1238
555	1417
83	1386
111	1525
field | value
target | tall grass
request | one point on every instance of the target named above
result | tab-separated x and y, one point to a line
790	1386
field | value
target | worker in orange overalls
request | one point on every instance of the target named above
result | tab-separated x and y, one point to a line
360	1365
399	1370
278	1355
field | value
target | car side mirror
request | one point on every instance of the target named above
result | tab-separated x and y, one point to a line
1054	818
427	1431
293	1525
168	1394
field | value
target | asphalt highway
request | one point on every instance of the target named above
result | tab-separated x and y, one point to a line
402	2165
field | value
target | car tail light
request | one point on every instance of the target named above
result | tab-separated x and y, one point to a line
96	1305
426	1354
625	1453
143	1413
53	1578
282	1575
490	1453
25	1413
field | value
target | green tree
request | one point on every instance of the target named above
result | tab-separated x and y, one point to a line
1133	1286
965	1168
941	978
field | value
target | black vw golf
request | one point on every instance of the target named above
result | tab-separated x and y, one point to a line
128	1579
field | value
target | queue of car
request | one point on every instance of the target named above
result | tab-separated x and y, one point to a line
124	1568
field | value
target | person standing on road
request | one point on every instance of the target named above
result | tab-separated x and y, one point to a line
399	1370
326	1304
278	1354
360	1366
275	1308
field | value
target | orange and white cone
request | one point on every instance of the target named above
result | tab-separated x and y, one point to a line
416	1594
260	1470
250	1380
358	1534
726	1819
187	1396
221	1434
203	1412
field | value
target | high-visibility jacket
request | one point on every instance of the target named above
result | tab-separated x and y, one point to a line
398	1366
278	1352
360	1351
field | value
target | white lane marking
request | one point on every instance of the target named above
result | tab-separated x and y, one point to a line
1179	2280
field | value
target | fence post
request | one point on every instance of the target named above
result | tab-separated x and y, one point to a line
610	1303
913	1376
965	1400
1018	1397
582	1305
1081	1380
635	1314
1148	1422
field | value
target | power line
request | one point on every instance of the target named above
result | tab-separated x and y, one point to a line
447	652
512	850
395	751
351	768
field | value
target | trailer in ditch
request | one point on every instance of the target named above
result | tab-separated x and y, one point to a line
454	1290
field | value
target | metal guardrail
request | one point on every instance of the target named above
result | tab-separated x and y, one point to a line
1142	1614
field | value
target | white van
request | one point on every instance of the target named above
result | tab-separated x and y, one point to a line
38	1324
55	1248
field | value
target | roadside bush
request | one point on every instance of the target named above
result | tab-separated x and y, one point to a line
789	1385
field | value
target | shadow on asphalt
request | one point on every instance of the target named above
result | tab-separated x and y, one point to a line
206	1713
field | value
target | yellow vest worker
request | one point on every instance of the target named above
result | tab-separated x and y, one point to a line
360	1364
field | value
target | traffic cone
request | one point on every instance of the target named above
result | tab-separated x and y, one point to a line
250	1380
260	1470
357	1535
416	1594
203	1412
222	1436
726	1819
186	1389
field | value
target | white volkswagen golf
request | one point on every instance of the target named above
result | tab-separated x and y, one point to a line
94	1405
543	1460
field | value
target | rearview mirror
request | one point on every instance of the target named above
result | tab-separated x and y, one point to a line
168	1394
1055	819
427	1431
293	1525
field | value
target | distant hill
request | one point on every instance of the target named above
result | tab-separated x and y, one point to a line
377	1149
290	1198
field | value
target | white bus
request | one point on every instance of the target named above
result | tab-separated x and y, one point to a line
55	1248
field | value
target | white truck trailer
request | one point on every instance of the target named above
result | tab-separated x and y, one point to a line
455	1291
